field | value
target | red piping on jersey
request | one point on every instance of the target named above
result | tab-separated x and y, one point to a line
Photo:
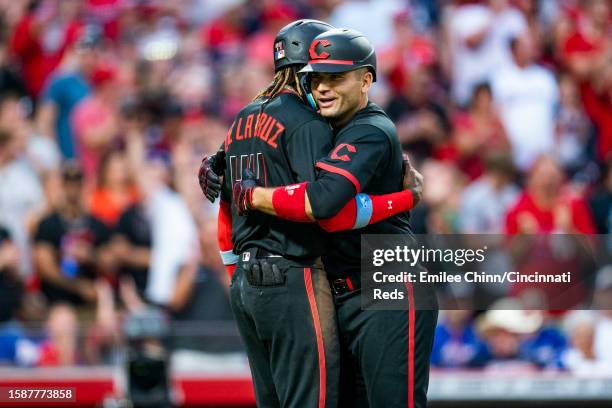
334	62
317	326
342	172
411	318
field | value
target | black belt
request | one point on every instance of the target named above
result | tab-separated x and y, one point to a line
257	253
261	269
343	285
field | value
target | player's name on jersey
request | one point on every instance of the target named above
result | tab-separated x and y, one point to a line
261	126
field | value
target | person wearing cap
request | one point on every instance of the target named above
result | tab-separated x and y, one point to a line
279	293
504	327
68	244
389	349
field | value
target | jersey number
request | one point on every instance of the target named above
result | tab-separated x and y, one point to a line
253	161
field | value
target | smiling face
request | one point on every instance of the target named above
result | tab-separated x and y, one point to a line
340	95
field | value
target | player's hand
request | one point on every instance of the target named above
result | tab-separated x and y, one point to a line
242	192
209	175
413	180
263	273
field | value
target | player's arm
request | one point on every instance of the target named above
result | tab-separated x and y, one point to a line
332	199
344	169
360	210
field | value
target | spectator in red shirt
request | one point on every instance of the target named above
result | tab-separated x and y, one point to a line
547	206
587	53
597	98
42	36
223	35
585	49
408	52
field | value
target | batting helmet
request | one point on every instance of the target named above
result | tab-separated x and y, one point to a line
292	42
341	50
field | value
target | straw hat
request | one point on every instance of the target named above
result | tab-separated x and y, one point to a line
507	314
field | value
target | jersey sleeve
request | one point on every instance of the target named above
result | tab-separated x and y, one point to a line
305	145
357	155
224	237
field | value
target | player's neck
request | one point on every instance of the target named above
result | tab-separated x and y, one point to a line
289	89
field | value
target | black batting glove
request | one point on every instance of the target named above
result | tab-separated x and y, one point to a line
263	273
209	175
242	192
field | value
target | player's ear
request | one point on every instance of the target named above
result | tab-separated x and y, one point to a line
366	80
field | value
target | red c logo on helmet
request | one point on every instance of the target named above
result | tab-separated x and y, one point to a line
313	52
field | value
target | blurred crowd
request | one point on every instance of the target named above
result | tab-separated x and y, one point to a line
108	106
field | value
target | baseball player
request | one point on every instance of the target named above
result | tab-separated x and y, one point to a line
261	246
389	349
279	294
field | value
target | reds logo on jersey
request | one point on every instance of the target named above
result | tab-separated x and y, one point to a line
344	157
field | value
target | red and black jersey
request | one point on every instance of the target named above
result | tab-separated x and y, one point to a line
280	140
368	154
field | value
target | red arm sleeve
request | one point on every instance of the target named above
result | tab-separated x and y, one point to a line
358	212
368	209
224	237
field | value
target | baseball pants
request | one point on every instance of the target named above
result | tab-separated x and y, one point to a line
289	330
385	354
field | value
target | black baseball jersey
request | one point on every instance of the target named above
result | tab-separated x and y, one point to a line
367	152
279	140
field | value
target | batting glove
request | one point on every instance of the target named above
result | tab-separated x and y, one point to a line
209	175
242	192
